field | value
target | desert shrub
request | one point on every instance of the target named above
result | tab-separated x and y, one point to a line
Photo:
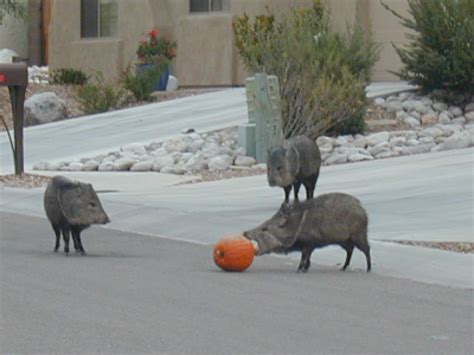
100	96
69	76
142	83
440	54
322	74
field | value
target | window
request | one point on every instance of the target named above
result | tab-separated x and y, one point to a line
98	18
209	5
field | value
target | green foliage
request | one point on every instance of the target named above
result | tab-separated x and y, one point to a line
100	96
155	46
322	74
16	9
440	54
69	76
141	84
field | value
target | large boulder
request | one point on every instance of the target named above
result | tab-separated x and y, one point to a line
44	108
6	55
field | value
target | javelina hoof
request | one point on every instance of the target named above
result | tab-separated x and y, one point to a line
302	269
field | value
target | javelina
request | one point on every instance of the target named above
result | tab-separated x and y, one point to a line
294	163
333	218
71	207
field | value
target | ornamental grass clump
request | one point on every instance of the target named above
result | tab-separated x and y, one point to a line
322	74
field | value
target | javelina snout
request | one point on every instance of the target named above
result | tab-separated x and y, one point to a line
334	218
71	207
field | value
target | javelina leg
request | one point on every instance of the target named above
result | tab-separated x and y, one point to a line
309	185
349	247
66	240
296	189
74	240
287	193
305	259
365	248
81	248
57	231
76	237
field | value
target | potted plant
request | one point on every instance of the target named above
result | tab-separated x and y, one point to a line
156	52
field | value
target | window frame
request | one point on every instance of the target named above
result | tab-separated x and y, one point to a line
225	5
98	22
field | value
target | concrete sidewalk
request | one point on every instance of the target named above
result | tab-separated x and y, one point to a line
101	133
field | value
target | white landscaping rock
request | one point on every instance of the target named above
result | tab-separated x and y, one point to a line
175	169
394	106
44	108
381	147
91	165
376	138
359	157
336	158
76	166
173	83
6	55
444	117
380	101
323	140
162	162
421	148
218	163
469	107
456	111
456	141
397	141
196	163
429	118
106	166
412	122
469	116
124	164
433	132
245	161
440	106
142	166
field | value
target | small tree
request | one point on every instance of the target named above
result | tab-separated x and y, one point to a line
14	8
440	54
322	74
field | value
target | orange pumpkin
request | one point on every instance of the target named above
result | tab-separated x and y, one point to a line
234	253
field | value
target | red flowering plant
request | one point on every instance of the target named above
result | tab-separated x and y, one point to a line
156	48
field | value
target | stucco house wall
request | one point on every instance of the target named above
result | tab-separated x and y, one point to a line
206	55
14	35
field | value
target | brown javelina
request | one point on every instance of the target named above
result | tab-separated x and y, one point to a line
333	218
71	207
294	163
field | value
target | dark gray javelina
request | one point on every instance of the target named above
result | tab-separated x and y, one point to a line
71	207
333	218
294	163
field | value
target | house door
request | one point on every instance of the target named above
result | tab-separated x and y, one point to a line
45	21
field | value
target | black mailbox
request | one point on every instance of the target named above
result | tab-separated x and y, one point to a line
15	76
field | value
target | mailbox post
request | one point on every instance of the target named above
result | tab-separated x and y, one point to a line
15	76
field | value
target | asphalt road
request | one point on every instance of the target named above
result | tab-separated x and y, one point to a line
141	294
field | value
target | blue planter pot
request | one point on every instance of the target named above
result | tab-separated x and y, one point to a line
162	82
